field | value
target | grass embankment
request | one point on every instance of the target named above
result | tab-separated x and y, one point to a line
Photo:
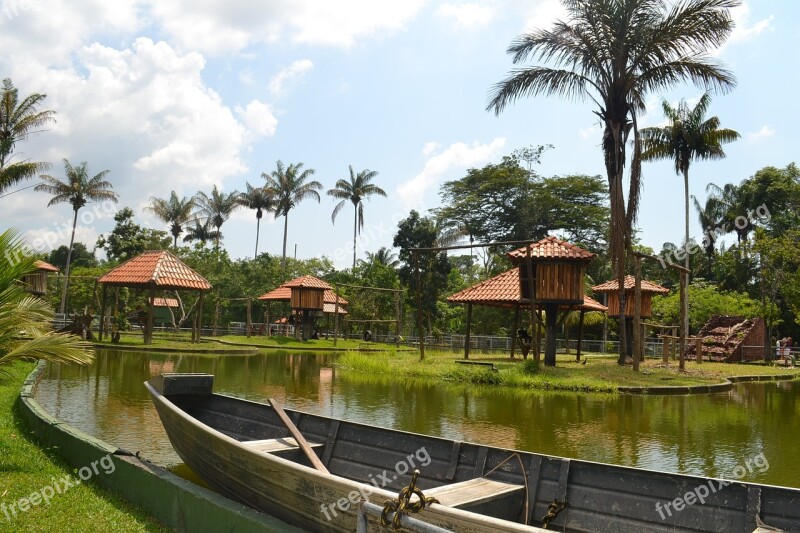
26	469
167	342
311	344
600	374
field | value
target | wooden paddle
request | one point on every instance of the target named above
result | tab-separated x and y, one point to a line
298	437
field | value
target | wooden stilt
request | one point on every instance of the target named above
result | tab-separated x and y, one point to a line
637	312
102	313
469	327
249	316
514	335
148	331
580	334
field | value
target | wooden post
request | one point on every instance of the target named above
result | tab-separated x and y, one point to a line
698	349
200	317
532	296
515	330
469	326
336	316
148	330
397	307
580	334
551	312
102	314
637	312
683	333
115	313
665	349
216	315
249	323
418	292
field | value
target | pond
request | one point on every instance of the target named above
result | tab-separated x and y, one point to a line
704	434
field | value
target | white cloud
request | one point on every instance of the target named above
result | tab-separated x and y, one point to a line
467	15
283	80
258	118
765	132
587	133
430	147
457	155
542	14
744	30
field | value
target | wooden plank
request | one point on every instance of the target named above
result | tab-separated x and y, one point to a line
473	491
301	441
277	445
480	463
333	431
451	470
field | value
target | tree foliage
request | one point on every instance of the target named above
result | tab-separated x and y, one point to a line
128	239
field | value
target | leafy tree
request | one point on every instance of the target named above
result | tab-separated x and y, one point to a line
358	189
708	217
18	120
260	199
201	233
128	239
81	256
290	188
779	278
615	53
707	300
772	198
175	211
77	190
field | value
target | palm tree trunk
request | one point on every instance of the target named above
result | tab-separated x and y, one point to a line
685	302
355	227
258	228
175	241
69	258
285	230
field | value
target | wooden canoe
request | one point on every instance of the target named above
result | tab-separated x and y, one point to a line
244	451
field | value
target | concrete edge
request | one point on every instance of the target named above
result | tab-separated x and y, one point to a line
173	501
704	389
126	347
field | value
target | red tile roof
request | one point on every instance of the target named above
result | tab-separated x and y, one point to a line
284	293
630	284
503	291
47	267
165	302
552	248
307	282
156	268
329	308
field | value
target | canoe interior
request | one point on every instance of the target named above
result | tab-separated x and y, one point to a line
600	497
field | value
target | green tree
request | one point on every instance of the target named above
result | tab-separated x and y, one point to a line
77	190
289	186
261	199
81	256
384	257
772	198
25	321
358	189
707	301
201	233
18	120
708	217
217	207
614	53
128	239
175	211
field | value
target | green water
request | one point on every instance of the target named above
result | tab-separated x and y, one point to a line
705	434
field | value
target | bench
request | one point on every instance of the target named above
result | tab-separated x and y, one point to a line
277	445
475	491
478	363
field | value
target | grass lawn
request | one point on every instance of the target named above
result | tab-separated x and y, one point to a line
600	373
291	342
26	469
167	341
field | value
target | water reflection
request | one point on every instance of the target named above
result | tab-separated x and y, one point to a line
707	435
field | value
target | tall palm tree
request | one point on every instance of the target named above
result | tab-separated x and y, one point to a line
201	232
176	212
729	203
18	120
217	208
25	321
384	257
614	53
289	186
709	221
356	191
77	190
261	199
689	136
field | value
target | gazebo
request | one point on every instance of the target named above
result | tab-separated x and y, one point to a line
37	281
551	275
648	290
504	291
284	294
155	270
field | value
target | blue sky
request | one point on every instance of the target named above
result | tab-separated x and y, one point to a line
185	94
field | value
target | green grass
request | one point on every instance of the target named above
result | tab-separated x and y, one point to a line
167	341
321	344
25	468
599	374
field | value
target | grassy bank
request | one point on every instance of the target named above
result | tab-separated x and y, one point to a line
600	374
26	469
168	342
288	343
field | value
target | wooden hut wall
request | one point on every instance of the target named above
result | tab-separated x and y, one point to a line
36	282
559	282
613	304
305	298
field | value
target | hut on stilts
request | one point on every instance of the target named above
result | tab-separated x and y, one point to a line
36	281
306	288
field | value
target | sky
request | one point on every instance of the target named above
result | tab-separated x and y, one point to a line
184	94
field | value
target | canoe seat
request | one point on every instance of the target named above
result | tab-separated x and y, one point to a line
277	445
474	492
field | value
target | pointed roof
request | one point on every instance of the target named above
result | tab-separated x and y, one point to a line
46	267
158	269
307	282
284	293
165	302
630	284
503	291
330	308
552	248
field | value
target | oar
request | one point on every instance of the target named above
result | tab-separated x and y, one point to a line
298	437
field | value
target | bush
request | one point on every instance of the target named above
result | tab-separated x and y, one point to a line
530	366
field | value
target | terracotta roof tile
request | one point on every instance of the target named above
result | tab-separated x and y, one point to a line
630	284
47	267
284	293
156	268
308	282
503	291
165	302
329	308
552	248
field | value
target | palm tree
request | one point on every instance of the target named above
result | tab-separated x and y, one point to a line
689	136
729	203
25	321
356	190
76	190
614	53
709	221
261	199
18	120
202	233
176	212
384	257
289	186
217	208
